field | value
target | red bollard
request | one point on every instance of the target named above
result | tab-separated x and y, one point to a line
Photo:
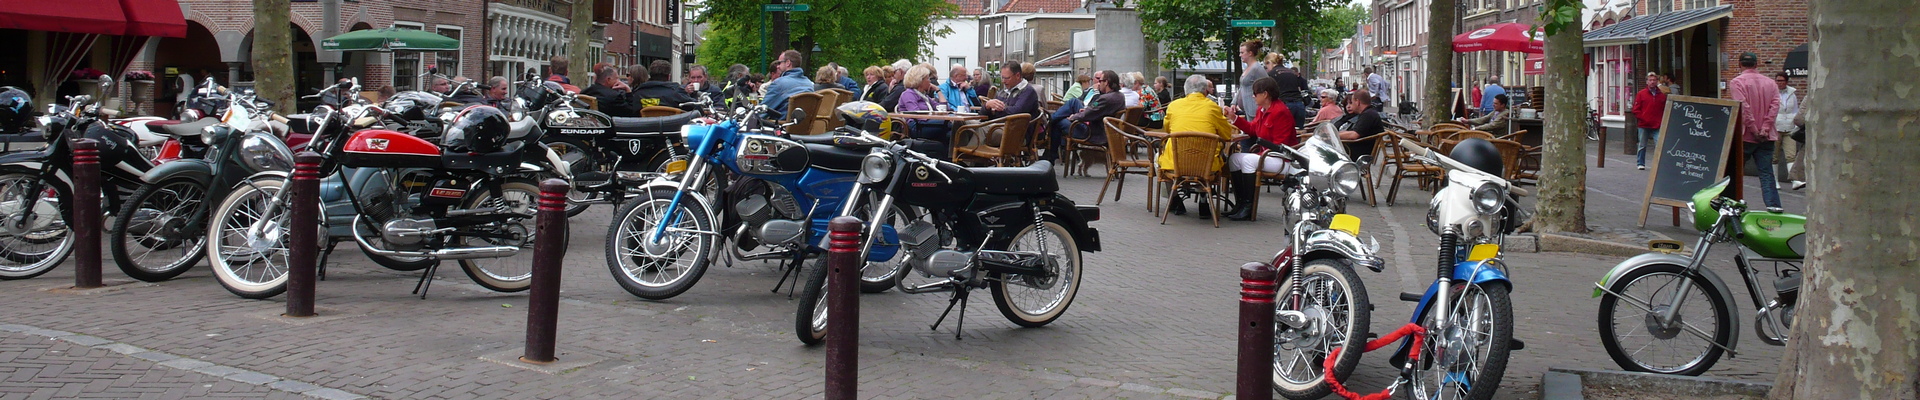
843	305
1257	286
549	246
303	245
86	213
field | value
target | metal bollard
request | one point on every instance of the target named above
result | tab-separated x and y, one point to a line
86	213
1255	373
549	246
843	305
303	245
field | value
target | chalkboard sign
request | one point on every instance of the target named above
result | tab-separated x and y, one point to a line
1692	154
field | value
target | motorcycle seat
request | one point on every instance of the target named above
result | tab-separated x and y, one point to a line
163	122
1033	179
189	128
832	158
667	124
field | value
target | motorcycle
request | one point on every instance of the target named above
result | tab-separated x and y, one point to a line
1658	287
1322	303
162	229
36	187
1006	229
1467	311
664	238
407	203
613	154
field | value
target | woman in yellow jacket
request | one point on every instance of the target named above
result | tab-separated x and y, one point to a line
1194	113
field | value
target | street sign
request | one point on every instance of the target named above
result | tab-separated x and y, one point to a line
1253	23
804	7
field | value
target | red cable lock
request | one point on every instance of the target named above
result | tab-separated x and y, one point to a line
1413	354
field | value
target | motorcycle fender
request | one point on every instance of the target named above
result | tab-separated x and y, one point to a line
199	170
25	159
1329	243
1087	237
1489	271
1718	286
671	185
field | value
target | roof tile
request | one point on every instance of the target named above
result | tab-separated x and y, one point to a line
1040	6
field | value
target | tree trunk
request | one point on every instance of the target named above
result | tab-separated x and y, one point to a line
1563	160
273	53
1859	313
580	55
1439	63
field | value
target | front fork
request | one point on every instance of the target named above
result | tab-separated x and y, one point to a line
1679	298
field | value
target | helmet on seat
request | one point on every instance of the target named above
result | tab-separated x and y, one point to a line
866	115
477	129
1479	154
16	108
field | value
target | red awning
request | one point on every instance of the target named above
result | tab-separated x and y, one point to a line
1536	64
154	18
1519	38
72	16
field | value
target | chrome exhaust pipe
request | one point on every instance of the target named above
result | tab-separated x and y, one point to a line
936	287
459	253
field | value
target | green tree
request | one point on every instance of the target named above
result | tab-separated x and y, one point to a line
273	53
1327	32
1563	160
1194	30
853	33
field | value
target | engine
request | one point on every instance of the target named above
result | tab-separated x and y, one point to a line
758	208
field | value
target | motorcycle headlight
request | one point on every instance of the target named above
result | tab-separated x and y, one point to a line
685	131
1346	178
875	167
1433	216
264	153
1486	198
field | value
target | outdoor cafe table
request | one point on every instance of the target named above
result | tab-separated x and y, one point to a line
943	116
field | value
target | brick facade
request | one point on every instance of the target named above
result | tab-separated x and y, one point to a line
1769	29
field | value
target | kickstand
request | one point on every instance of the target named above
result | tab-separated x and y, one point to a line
960	322
426	281
790	269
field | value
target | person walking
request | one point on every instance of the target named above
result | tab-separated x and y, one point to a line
1250	55
1377	86
1649	108
1783	126
1759	105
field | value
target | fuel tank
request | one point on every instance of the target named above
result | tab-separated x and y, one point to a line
381	148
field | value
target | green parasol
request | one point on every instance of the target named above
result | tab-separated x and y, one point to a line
389	39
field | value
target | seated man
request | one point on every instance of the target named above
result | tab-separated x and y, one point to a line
1495	122
659	89
1194	113
1361	121
792	81
611	93
1107	103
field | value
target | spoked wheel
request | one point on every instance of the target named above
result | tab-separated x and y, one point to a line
658	268
247	240
878	276
1335	320
1033	301
587	168
1467	359
1638	335
150	240
33	239
810	317
504	274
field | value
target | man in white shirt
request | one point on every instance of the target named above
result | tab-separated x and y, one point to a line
1783	123
1377	85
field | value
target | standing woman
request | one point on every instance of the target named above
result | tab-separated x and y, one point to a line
1272	124
1250	54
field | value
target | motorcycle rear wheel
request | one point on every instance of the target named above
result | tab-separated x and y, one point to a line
30	254
1653	286
147	243
1031	301
656	272
1330	290
504	274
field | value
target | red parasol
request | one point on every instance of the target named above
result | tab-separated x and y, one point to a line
1500	37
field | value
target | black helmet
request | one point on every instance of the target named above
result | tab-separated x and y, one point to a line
1479	154
478	129
16	108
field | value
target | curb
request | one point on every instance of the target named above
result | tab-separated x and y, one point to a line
1569	244
1649	384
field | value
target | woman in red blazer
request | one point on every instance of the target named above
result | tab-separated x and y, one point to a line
1272	124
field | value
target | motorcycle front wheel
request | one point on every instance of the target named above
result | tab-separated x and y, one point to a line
1033	301
810	317
1635	336
149	241
1334	300
1467	359
663	268
878	276
251	263
32	239
504	274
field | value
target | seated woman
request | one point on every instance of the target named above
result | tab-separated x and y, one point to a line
1272	124
919	96
1329	106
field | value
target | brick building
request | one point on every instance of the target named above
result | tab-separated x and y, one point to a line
1475	67
1401	46
1697	43
1035	31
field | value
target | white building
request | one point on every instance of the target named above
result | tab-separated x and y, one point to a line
962	45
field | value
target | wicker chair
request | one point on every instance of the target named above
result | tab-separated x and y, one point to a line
842	96
1071	156
1121	162
591	102
1193	156
800	108
660	111
1404	166
1002	140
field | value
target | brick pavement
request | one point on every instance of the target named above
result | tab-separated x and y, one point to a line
1153	319
36	366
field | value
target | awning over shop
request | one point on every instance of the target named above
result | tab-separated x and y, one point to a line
160	18
1638	30
103	17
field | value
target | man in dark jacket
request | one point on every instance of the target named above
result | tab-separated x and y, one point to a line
1293	91
698	75
1082	124
611	94
1020	97
659	89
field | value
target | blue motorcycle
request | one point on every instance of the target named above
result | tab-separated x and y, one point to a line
664	237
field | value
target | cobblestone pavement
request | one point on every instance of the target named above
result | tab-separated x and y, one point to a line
1154	319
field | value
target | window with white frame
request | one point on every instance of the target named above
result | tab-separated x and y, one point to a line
448	62
406	64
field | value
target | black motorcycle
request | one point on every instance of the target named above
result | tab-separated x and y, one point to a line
609	155
1003	229
36	187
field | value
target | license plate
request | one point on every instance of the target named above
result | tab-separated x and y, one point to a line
676	166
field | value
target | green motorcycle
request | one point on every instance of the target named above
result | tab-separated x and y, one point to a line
1678	317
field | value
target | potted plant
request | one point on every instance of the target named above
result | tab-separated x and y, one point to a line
138	76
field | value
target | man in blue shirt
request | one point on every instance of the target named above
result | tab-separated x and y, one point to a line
1486	95
956	91
847	82
792	81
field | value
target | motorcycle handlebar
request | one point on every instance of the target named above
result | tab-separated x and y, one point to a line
1451	165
